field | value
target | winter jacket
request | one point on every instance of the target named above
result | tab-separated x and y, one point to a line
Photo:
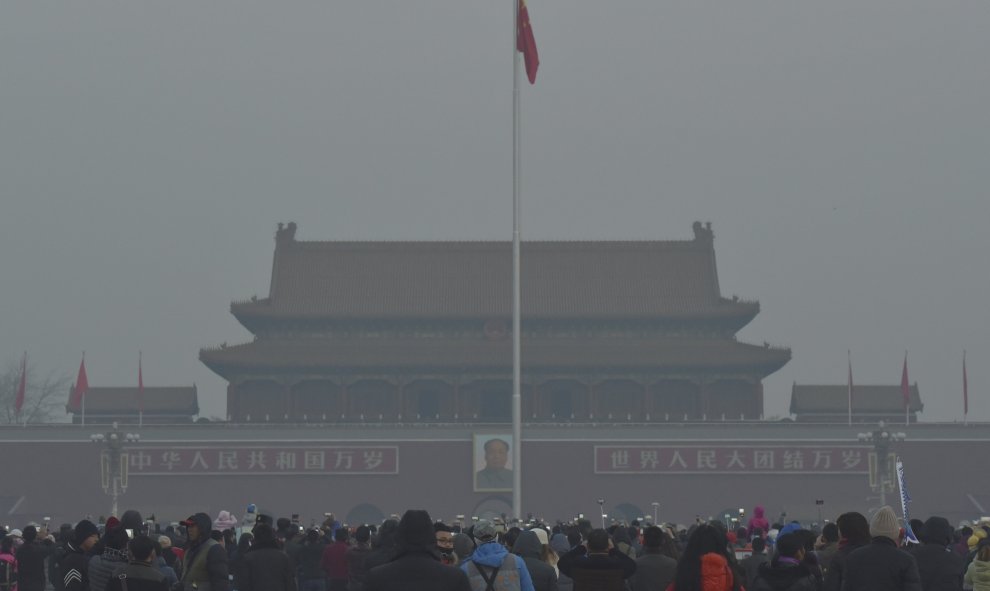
138	576
716	574
31	565
335	562
653	571
880	566
74	570
784	577
491	555
103	565
214	574
266	569
757	521
751	566
529	548
308	557
836	568
416	570
10	562
978	575
940	568
603	569
356	570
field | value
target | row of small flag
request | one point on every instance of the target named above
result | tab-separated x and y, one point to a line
79	389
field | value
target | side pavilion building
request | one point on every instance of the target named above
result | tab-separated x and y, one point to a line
406	332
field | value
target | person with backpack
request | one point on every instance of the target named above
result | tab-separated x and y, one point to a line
491	567
140	573
8	565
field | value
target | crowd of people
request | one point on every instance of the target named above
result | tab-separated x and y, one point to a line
417	553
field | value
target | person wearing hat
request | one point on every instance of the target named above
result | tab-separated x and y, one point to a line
204	564
74	567
415	566
529	547
977	575
939	568
492	562
881	565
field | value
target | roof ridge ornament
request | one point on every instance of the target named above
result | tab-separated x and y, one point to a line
703	233
285	233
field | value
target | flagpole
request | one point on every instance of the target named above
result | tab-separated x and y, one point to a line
965	392
850	393
516	291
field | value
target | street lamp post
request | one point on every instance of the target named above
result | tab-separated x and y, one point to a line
881	439
114	462
656	511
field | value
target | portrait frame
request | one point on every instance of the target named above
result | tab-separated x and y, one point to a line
479	463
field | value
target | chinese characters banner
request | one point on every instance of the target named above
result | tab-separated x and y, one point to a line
262	460
746	459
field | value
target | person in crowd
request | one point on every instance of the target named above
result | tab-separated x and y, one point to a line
167	571
654	570
414	566
8	565
751	564
560	545
113	557
31	560
939	567
265	567
530	549
463	547
74	567
977	575
827	545
335	561
309	560
787	571
140	573
445	543
622	542
808	540
236	559
854	532
597	564
357	556
204	561
547	553
881	565
383	548
705	563
758	524
492	563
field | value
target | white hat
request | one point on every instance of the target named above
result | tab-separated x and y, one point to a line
541	534
16	533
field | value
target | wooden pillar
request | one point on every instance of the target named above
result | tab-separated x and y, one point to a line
458	411
647	401
286	403
591	399
402	400
345	403
704	401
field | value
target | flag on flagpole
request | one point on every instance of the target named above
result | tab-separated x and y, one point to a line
21	387
905	387
526	42
905	499
850	387
81	387
965	388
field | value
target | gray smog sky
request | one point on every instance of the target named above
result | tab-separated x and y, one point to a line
840	149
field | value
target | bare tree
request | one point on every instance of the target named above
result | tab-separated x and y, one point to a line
44	395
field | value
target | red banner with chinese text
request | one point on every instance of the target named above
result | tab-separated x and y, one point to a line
262	460
719	459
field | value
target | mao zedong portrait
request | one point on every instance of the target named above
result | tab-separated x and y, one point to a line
494	476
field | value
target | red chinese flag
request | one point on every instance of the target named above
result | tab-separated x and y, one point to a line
526	43
905	388
965	387
82	386
22	387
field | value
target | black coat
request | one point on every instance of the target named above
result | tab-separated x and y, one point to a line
74	570
653	571
31	565
837	568
784	577
602	571
417	570
266	569
940	568
880	566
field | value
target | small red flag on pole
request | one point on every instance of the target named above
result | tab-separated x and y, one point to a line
905	390
81	387
21	387
526	42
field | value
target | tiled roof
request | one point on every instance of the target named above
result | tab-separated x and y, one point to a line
545	353
162	400
866	399
645	279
